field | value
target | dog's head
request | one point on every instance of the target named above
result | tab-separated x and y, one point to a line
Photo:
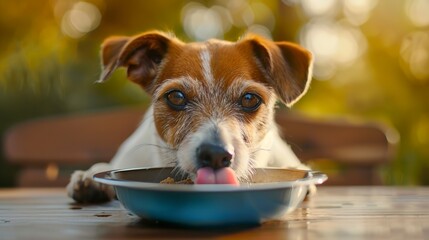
213	101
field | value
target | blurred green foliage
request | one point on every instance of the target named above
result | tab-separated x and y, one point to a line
49	61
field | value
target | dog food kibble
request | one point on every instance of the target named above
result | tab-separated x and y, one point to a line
171	180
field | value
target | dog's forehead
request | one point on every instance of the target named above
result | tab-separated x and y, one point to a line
213	60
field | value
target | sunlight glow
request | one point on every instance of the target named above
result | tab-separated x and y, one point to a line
82	18
358	11
318	7
415	53
418	12
260	30
333	44
202	23
241	12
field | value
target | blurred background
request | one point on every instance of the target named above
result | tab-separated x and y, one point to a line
371	60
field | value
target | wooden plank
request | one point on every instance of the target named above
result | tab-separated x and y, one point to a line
81	139
334	213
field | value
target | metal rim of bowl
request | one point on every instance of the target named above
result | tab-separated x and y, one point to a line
313	177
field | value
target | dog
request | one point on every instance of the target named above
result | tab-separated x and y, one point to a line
212	107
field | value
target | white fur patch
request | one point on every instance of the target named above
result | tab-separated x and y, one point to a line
227	134
206	64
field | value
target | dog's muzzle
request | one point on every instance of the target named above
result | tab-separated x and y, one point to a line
214	156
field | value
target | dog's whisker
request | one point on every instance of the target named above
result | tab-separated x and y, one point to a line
154	145
176	170
179	172
221	110
173	163
261	149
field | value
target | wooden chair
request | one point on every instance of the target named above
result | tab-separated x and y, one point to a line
351	153
49	149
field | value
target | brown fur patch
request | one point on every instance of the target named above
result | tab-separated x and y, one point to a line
217	100
252	65
235	72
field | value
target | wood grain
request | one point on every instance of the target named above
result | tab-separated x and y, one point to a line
334	213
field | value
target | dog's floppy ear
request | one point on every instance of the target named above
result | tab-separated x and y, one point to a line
141	55
287	65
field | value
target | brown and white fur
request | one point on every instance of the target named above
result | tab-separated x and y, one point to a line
213	77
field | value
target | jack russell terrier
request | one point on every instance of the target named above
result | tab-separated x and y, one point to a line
212	112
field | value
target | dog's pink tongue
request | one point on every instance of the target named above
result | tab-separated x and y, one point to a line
208	175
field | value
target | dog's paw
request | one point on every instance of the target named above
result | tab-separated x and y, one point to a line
83	189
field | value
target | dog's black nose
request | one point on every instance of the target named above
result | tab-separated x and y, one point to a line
210	155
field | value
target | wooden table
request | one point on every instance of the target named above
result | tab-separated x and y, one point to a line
335	213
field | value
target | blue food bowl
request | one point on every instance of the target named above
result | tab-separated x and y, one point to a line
270	195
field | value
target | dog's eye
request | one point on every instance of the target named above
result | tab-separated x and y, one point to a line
249	102
176	100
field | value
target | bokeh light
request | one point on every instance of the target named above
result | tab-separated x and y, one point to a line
334	44
373	56
358	11
418	12
319	8
260	30
82	18
415	55
202	22
241	12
